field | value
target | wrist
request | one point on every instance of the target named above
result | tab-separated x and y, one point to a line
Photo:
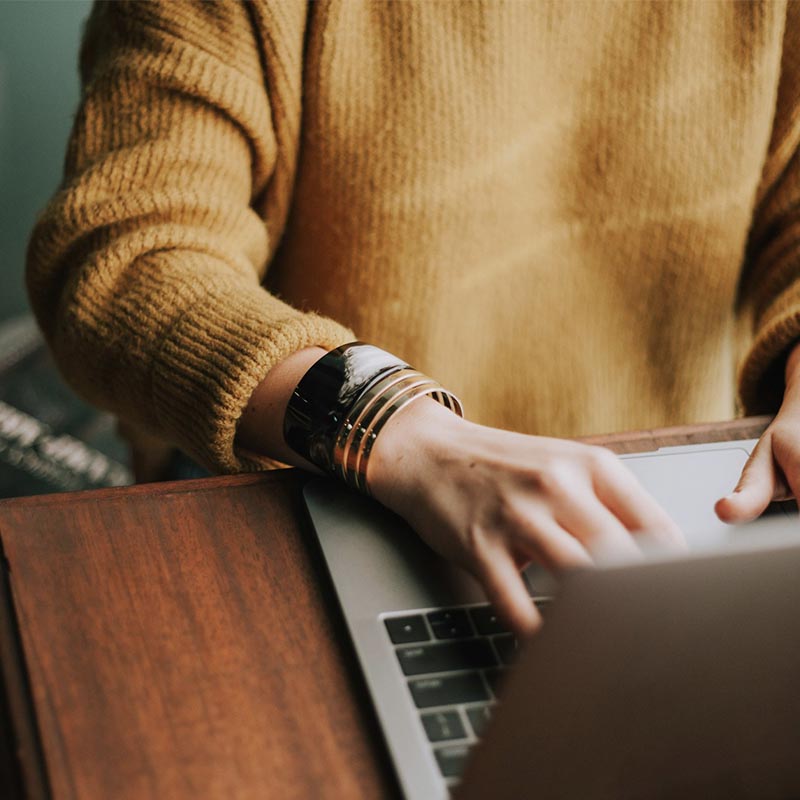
407	447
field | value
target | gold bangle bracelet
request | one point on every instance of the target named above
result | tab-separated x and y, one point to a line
356	439
359	474
447	399
388	403
350	426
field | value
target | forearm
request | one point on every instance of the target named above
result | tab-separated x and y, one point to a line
260	429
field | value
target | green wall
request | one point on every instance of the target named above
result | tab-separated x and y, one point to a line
38	96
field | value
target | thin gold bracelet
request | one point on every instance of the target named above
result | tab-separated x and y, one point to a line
349	429
358	433
388	402
360	476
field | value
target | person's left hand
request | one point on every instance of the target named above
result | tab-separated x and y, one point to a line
773	470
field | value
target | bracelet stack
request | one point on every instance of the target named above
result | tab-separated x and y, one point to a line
343	402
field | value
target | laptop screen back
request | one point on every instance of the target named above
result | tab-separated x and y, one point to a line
672	679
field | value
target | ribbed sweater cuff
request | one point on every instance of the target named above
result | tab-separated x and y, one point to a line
761	378
212	359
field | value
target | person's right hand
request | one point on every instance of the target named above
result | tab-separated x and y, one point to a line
487	499
493	501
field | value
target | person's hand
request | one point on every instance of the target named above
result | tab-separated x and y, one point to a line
773	470
493	501
487	499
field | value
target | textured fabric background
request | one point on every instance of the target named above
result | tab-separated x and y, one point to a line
581	217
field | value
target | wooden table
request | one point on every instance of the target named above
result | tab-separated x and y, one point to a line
181	640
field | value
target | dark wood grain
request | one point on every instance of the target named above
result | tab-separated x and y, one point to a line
178	646
23	774
642	441
182	641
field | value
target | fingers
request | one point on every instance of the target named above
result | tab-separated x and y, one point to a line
539	537
506	590
756	488
617	487
597	529
592	529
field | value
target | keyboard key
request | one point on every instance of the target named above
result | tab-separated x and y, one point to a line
486	621
448	690
443	725
495	678
506	646
403	630
468	654
452	760
478	716
450	623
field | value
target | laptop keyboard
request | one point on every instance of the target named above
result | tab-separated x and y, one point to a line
453	660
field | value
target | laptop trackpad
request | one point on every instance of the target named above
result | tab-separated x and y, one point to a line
687	485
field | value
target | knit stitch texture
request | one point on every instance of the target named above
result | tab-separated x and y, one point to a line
580	217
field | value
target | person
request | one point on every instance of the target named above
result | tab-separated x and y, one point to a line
579	217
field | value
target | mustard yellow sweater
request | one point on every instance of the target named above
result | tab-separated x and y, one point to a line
580	217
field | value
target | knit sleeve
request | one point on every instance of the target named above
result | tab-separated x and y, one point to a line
770	286
145	269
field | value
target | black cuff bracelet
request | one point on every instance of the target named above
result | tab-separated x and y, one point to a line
320	402
337	410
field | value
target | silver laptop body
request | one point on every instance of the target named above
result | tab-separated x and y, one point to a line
383	572
671	679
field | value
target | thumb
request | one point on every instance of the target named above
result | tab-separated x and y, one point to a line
755	489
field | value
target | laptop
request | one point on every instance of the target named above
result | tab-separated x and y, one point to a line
674	679
437	660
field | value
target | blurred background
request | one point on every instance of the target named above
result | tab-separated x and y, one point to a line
49	439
